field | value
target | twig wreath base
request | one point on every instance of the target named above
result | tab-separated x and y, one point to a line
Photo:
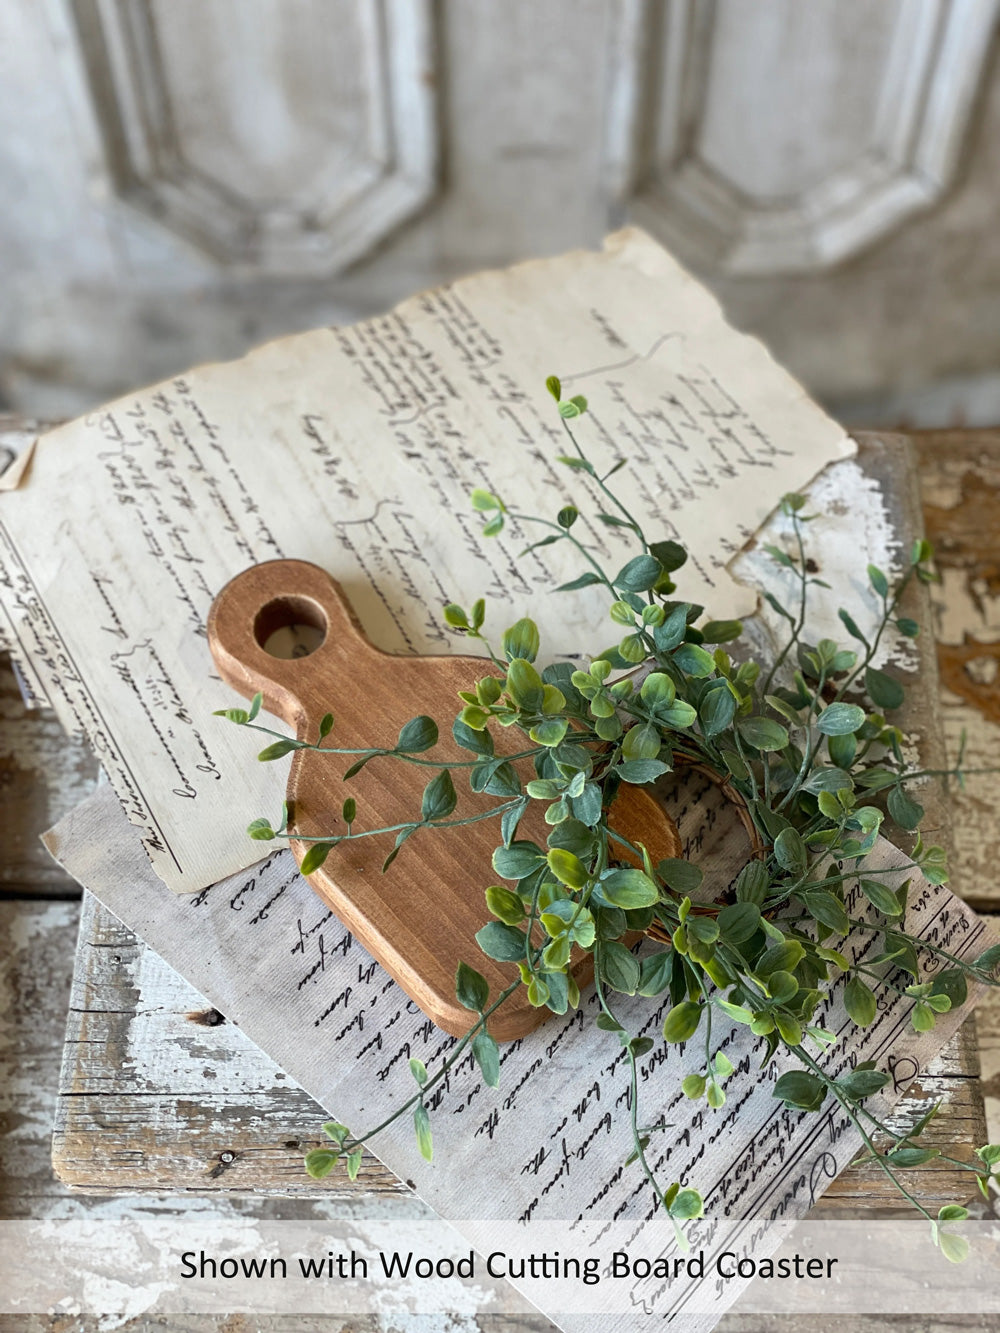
804	750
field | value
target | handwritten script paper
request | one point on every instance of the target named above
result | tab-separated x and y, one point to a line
549	1144
356	448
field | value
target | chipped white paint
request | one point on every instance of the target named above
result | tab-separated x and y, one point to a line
851	528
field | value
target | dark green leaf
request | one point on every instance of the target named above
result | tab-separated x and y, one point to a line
617	967
655	973
486	1053
518	860
739	920
904	809
762	733
671	555
554	387
881	897
439	798
883	690
801	1090
639	575
790	851
716	709
722	631
479	742
752	883
851	626
502	943
694	661
680	875
584	581
861	1083
827	909
419	734
672	631
471	988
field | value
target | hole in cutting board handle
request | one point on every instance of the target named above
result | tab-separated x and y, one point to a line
290	627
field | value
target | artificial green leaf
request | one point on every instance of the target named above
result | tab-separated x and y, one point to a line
502	943
686	1205
693	660
320	1162
419	734
639	575
883	690
859	1002
641	742
671	555
840	719
827	909
567	868
486	1054
470	738
628	889
640	771
717	709
522	640
790	852
904	809
860	1083
518	860
439	798
738	921
524	685
617	967
681	1023
422	1126
800	1089
278	750
752	883
881	897
655	972
722	631
505	904
315	856
762	733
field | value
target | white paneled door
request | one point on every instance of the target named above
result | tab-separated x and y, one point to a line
182	178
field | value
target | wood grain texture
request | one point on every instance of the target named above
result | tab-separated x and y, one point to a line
960	481
43	774
157	1095
39	939
419	920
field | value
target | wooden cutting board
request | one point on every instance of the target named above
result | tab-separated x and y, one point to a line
419	919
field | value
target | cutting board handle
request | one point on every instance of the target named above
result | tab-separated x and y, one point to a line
271	596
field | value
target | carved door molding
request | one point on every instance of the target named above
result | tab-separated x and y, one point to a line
777	138
285	138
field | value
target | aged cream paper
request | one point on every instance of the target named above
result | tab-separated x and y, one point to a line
548	1147
356	448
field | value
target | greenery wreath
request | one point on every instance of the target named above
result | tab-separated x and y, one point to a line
803	748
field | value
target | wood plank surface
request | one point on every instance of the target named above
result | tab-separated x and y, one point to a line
960	482
158	1094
